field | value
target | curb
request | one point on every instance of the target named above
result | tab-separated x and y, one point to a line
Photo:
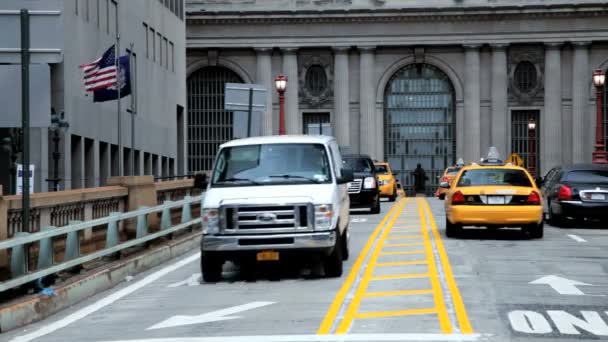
36	307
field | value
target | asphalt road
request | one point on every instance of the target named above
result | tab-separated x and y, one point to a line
404	281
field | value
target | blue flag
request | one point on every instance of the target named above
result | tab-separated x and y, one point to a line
124	80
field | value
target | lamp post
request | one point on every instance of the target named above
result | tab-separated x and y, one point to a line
58	126
280	83
12	145
532	147
599	155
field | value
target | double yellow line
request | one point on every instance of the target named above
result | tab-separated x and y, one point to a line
383	228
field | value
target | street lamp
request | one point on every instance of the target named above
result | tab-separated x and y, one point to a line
58	126
280	83
12	145
599	155
532	147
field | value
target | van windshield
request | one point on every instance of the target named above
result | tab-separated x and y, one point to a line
271	164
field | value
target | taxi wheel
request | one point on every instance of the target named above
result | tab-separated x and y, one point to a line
211	268
442	197
393	197
536	231
452	230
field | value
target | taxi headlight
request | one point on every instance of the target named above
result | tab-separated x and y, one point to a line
323	216
369	183
211	221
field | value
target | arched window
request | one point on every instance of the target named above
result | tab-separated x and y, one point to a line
209	125
316	80
525	76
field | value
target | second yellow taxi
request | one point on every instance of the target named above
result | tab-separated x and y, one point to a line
386	180
495	195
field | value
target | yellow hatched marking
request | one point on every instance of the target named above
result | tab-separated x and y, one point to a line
351	311
401	263
403	237
461	312
396	313
408	244
402	252
334	309
398	293
442	313
400	276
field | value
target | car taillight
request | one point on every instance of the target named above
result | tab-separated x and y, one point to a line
458	198
445	179
565	193
533	198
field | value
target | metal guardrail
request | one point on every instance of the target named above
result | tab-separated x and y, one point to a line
46	265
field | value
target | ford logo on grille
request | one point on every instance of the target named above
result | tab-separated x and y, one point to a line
267	217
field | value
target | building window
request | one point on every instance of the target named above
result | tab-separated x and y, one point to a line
317	124
153	37
172	57
86	10
166	50
98	8
181	9
107	6
525	77
606	116
160	48
113	17
316	80
147	41
76	6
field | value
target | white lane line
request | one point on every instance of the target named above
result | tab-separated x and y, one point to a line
82	313
576	238
193	280
320	338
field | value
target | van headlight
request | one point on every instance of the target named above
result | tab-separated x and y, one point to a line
323	216
211	221
369	183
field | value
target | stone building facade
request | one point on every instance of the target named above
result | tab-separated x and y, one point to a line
406	81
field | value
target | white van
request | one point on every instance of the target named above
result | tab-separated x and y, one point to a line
273	198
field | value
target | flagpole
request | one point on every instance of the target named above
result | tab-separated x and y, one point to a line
117	62
133	107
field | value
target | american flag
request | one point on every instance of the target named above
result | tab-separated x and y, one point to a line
101	73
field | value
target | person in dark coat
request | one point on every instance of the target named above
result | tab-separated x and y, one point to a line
420	179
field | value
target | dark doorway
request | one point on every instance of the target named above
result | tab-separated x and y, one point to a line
525	140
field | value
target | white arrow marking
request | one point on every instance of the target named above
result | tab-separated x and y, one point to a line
194	280
358	220
563	286
576	238
214	316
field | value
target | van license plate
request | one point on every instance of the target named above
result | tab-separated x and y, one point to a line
598	197
496	199
268	256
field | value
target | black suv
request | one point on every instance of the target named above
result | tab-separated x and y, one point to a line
363	191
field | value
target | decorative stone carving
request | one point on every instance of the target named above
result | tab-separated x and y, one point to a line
532	54
315	98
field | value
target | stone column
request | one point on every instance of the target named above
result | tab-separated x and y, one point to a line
264	77
293	121
581	80
341	120
500	117
472	104
551	121
366	101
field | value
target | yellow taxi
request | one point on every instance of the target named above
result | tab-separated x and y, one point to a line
448	176
386	180
495	195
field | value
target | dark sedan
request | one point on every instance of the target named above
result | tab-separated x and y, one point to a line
364	191
576	192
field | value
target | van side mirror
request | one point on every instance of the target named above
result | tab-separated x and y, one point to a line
444	185
347	176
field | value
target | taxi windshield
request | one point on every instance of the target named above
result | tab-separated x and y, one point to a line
382	169
496	177
452	171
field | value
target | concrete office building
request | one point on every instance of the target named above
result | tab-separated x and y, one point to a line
80	31
408	81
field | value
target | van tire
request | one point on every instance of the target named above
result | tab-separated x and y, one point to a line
345	250
211	268
333	263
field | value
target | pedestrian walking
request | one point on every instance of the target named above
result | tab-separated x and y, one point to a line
420	179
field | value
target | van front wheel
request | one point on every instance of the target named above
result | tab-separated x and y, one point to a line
333	263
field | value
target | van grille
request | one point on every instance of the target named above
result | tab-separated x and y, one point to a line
267	218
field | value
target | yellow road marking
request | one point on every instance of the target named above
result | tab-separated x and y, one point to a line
398	293
326	325
461	312
401	263
351	311
400	276
406	230
403	237
442	313
408	244
395	313
402	252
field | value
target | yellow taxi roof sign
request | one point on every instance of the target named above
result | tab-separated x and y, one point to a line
515	159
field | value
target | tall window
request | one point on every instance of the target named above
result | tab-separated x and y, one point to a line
153	37
606	116
166	51
147	40
526	77
172	56
209	124
160	48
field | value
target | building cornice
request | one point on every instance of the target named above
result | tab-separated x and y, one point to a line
397	15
